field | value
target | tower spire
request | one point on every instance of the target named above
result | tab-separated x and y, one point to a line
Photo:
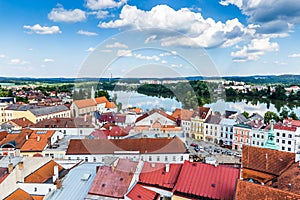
270	143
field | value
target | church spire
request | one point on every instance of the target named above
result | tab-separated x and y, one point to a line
270	143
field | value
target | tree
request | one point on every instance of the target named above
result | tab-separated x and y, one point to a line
102	93
119	106
270	115
293	115
284	113
246	114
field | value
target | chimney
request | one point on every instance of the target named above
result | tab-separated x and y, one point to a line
153	165
21	165
167	167
113	168
38	138
10	167
26	137
85	118
56	173
23	119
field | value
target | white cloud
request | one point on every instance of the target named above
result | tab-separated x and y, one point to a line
102	4
87	33
61	15
106	50
238	3
200	31
254	50
164	62
280	63
91	49
2	56
48	60
17	61
164	54
142	57
122	52
42	30
295	55
117	45
150	39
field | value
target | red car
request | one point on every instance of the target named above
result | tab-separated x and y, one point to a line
194	145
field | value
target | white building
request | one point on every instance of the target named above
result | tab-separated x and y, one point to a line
226	131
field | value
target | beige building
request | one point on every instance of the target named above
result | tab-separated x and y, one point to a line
197	123
33	113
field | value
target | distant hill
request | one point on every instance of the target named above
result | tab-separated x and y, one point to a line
257	79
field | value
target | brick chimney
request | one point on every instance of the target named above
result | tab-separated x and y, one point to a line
10	167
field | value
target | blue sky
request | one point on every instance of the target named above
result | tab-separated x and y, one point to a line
148	38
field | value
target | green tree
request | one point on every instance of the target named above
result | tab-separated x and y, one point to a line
284	113
101	93
293	115
270	115
119	106
246	114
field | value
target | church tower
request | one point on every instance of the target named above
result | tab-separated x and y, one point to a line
270	143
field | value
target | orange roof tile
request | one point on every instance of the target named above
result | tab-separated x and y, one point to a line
138	192
3	134
110	105
266	160
16	139
43	174
19	194
247	190
83	103
37	197
33	145
155	111
100	100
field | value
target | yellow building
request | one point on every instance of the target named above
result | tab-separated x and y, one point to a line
197	123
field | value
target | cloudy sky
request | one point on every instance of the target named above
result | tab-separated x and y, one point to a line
226	37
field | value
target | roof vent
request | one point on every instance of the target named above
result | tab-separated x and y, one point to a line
213	185
194	164
121	179
103	185
139	196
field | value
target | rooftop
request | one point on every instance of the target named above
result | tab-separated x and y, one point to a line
199	180
184	114
22	122
155	174
64	123
266	160
15	139
84	103
138	192
37	141
74	186
19	194
247	190
143	145
155	111
110	182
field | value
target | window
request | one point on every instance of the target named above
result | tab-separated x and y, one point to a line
35	189
49	189
262	137
289	142
290	135
174	158
283	134
289	149
157	158
253	142
166	158
181	158
277	140
150	158
277	134
253	135
283	148
94	159
283	141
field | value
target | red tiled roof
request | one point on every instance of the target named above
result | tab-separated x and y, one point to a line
116	131
266	160
247	190
155	111
290	177
203	112
22	122
83	103
100	100
138	192
19	194
184	114
203	180
286	128
144	145
43	173
292	122
113	183
154	174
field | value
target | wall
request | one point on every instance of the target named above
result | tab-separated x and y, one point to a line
37	188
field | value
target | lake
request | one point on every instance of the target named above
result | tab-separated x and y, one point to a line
170	104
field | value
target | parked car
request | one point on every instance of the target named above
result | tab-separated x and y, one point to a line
194	145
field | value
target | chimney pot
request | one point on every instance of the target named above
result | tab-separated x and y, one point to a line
10	167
